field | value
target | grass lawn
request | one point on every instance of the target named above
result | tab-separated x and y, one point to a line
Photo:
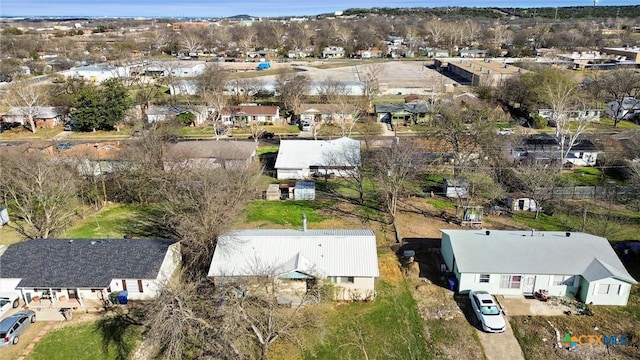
196	132
9	236
112	221
124	133
86	341
287	213
584	176
21	133
386	328
267	150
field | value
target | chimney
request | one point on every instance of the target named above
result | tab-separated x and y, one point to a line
304	222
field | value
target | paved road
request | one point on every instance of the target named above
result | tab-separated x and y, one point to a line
501	346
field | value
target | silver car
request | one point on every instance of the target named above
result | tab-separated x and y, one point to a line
13	326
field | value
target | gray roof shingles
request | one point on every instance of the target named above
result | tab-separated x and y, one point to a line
82	263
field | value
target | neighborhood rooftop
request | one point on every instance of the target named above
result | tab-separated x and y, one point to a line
82	262
317	252
544	252
304	153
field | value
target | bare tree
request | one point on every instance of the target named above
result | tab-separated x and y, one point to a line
536	180
191	41
394	167
560	92
466	133
253	303
212	85
27	99
40	192
622	88
293	90
370	74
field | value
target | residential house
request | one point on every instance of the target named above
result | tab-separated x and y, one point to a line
327	113
43	116
266	54
512	262
300	260
628	110
544	147
472	53
161	113
626	53
210	154
300	159
85	269
408	113
434	52
300	53
574	115
245	114
374	53
333	52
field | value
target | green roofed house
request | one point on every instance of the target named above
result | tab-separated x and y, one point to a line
512	262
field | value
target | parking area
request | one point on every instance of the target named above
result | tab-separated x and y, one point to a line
518	305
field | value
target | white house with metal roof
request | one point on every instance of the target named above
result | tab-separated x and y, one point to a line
300	159
512	262
300	259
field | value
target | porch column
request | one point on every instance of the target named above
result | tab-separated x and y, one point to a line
24	298
79	298
51	297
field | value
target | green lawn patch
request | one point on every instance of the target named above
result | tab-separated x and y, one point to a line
544	223
267	150
110	222
287	213
441	204
88	341
387	328
584	176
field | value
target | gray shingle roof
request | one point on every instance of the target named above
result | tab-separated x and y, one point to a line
82	263
546	252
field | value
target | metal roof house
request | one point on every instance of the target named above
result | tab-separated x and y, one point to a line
300	159
301	258
84	269
512	262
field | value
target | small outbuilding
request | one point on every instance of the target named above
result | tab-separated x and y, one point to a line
456	188
521	202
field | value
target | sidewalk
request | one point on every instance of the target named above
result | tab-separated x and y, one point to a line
37	339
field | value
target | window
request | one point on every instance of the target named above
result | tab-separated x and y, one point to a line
332	279
346	279
563	280
484	278
510	281
608	289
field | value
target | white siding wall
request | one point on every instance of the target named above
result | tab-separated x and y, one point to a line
472	282
362	288
293	174
618	292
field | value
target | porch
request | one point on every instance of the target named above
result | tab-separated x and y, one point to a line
519	305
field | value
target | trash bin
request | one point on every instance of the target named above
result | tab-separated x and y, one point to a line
113	297
453	284
122	297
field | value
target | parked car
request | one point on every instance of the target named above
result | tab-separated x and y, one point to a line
68	127
13	326
264	135
64	145
505	131
488	312
8	301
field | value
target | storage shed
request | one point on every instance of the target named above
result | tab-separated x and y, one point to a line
305	190
273	192
4	216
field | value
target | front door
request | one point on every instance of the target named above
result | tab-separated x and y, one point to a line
528	284
72	293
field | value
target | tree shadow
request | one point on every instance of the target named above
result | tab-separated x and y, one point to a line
118	332
152	223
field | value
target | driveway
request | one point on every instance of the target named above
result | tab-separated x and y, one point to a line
501	346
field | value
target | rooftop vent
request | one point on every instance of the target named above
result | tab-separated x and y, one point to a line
487	232
567	234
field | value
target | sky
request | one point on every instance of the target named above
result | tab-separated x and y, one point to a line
224	8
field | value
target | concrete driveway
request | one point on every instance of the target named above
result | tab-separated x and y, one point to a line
501	346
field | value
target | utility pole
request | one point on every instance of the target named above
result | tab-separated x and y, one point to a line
556	17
